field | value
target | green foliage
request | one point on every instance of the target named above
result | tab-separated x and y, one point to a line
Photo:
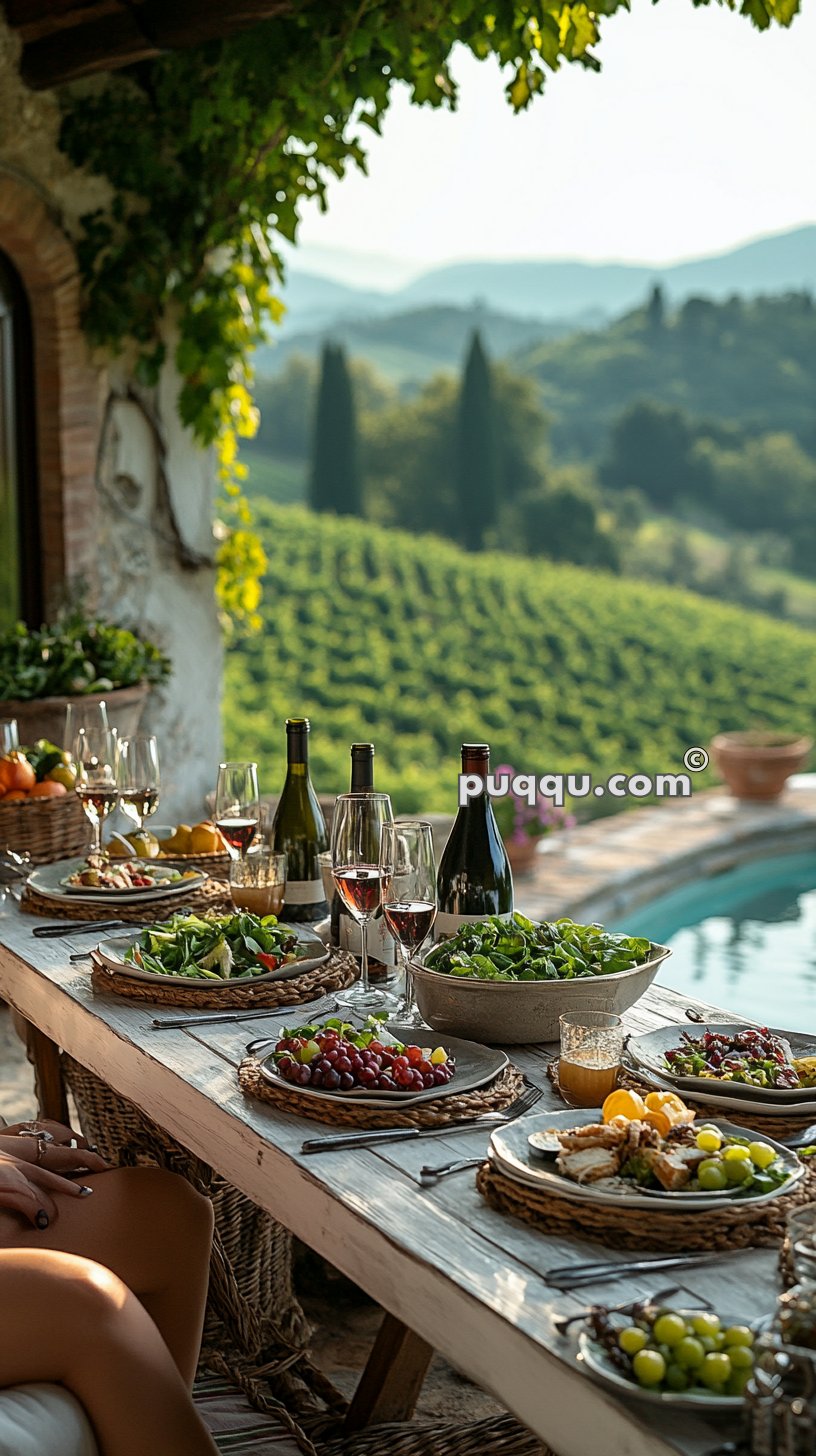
334	483
421	646
477	450
561	521
78	654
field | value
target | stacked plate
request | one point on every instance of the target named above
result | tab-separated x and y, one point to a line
311	952
52	882
511	1154
646	1058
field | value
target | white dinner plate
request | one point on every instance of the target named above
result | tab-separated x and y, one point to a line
475	1066
314	953
49	879
648	1051
509	1150
718	1096
597	1360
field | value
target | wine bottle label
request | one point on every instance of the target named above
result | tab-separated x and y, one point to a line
304	892
446	925
381	945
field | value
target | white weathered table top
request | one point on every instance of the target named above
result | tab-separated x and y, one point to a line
465	1278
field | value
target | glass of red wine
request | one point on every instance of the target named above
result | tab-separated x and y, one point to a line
237	806
94	752
137	776
408	898
355	847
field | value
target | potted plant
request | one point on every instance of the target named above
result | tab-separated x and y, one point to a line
79	659
523	826
757	765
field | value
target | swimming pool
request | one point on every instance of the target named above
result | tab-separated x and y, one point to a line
745	939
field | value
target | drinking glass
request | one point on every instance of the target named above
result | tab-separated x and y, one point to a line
409	898
802	1241
137	777
237	805
591	1047
258	882
355	847
94	753
9	737
83	715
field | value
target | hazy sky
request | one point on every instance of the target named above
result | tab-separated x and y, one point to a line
697	135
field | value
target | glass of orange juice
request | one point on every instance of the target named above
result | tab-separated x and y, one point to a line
591	1046
258	883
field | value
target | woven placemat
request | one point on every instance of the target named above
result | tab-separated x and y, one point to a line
773	1127
499	1093
733	1226
339	971
212	895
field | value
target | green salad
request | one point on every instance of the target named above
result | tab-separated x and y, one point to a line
214	947
519	950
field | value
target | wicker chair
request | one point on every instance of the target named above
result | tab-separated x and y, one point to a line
256	1334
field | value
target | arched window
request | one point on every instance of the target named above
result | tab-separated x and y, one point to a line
20	557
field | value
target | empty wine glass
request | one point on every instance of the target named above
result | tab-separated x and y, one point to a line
137	777
408	867
9	737
83	715
355	847
237	805
94	752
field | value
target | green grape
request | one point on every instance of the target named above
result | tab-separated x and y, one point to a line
705	1322
739	1335
740	1356
711	1177
664	1350
714	1371
648	1367
737	1382
676	1378
689	1353
761	1154
632	1339
669	1328
709	1343
739	1170
736	1153
709	1140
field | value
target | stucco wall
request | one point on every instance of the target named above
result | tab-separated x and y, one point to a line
144	538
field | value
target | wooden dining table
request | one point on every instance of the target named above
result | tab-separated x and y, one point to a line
451	1273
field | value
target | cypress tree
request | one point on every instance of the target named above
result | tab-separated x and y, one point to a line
334	483
477	454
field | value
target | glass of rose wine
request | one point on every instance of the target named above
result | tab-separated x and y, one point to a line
237	806
137	777
94	753
355	848
408	898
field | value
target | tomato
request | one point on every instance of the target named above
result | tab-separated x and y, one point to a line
270	961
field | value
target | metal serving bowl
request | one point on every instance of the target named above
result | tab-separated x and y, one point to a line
505	1012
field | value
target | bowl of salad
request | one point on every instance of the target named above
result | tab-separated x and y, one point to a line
215	950
508	981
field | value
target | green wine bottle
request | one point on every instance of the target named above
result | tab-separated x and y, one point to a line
299	830
474	878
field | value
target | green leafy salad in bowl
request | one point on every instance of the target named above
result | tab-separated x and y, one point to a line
520	950
215	947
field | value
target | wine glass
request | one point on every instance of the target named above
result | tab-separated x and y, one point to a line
9	737
83	715
408	867
137	777
237	805
355	848
94	753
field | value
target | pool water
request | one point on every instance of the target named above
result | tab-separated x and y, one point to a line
744	940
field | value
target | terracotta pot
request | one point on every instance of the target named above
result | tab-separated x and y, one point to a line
522	856
45	717
757	765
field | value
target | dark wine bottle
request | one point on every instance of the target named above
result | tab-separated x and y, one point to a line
474	878
345	931
299	830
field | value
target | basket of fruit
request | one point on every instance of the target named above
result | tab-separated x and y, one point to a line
39	814
187	847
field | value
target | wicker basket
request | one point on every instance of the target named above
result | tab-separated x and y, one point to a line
45	829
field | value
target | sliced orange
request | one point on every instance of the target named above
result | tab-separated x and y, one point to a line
623	1103
656	1100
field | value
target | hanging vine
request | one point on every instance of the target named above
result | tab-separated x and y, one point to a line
212	151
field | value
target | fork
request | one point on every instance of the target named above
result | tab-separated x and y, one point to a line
429	1176
523	1103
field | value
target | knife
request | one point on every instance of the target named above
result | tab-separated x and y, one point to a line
70	927
372	1138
